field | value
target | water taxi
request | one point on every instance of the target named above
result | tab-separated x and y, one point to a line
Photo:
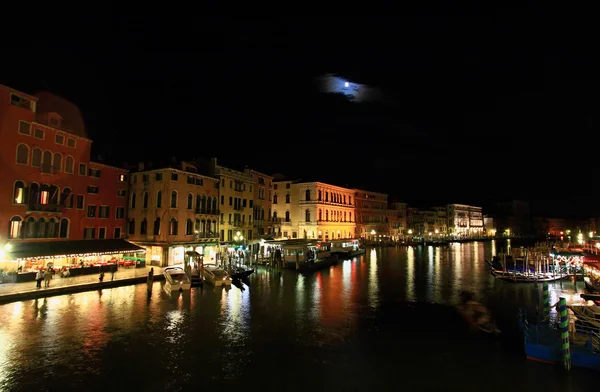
347	248
216	276
176	279
302	254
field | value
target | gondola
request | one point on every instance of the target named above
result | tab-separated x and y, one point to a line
510	276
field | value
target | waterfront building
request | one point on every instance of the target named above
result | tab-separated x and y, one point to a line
173	209
371	215
315	210
464	220
236	206
50	189
263	186
416	222
397	214
489	225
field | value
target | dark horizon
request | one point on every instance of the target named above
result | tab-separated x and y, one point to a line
468	121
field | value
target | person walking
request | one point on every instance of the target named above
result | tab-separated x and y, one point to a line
112	276
101	277
38	279
47	277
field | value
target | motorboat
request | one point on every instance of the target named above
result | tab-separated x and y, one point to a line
477	316
588	316
176	279
216	276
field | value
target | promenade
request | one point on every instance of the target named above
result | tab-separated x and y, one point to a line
11	292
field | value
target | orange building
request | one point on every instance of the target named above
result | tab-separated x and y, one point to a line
49	188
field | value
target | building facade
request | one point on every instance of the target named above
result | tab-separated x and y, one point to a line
49	188
285	211
323	211
236	204
397	220
173	210
465	221
371	215
261	212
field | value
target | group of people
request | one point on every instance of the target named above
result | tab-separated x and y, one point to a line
45	276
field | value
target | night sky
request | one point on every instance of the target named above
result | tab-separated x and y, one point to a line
475	108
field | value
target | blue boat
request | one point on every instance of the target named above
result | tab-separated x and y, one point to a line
543	344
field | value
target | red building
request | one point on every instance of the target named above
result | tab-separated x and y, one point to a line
49	188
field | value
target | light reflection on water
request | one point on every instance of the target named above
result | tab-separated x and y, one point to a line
216	335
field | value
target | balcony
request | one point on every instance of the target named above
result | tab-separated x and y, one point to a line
286	223
309	201
307	223
37	207
198	236
206	211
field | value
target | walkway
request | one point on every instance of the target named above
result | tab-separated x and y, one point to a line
10	292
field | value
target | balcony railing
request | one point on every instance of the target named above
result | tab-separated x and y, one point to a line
286	223
38	207
307	223
198	236
206	211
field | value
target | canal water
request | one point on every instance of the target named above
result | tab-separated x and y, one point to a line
382	321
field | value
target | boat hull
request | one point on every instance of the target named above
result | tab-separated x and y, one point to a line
177	287
510	277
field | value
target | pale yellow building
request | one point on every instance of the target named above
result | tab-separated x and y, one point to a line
313	210
173	210
236	205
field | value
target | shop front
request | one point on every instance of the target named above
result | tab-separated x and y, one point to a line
207	250
68	258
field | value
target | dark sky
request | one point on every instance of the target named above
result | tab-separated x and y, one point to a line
482	106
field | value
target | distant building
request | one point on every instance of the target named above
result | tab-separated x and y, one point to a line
397	220
173	210
371	214
263	186
464	220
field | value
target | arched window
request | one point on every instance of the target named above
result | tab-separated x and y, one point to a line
307	195
159	199
144	227
198	204
145	200
173	226
326	215
53	195
173	199
63	231
19	193
262	213
197	225
274	215
131	226
326	196
274	199
189	227
287	198
287	216
40	231
15	227
204	205
190	201
36	157
344	216
319	195
23	154
34	193
320	215
132	205
69	163
307	215
30	227
349	217
66	198
350	200
57	162
156	226
47	162
52	229
214	205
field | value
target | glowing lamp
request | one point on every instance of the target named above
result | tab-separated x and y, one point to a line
346	84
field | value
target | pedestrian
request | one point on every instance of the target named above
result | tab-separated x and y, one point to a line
150	280
114	271
47	277
38	279
101	277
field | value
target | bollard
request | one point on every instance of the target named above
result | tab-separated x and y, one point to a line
564	332
545	301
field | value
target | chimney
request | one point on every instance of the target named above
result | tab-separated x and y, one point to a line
141	166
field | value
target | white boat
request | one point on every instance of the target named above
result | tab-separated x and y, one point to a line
587	315
216	276
347	248
176	279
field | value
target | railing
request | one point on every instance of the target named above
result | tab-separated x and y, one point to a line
286	223
307	223
206	211
205	235
37	207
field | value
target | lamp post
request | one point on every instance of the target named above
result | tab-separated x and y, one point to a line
238	238
373	233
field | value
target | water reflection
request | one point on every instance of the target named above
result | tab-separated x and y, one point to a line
410	274
373	280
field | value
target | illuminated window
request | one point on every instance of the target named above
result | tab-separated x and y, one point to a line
16	224
44	197
19	192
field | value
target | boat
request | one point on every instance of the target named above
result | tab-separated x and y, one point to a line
543	343
176	279
477	316
216	276
241	272
587	316
592	276
347	248
303	255
510	276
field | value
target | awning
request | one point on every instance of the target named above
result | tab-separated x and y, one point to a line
23	250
